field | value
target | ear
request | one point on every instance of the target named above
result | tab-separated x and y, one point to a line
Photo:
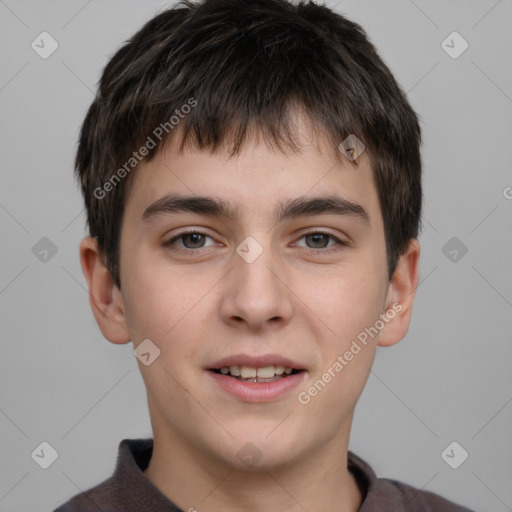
400	297
104	296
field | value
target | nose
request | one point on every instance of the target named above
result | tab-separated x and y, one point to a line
255	292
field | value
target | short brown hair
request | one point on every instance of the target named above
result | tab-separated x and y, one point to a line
242	63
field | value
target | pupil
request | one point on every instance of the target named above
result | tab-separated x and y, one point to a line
316	236
194	235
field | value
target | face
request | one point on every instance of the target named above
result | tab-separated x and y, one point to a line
263	291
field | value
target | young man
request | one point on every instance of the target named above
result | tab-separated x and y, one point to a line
252	177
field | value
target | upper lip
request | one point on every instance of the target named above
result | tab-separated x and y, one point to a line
256	361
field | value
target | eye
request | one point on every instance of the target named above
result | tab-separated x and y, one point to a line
190	241
319	239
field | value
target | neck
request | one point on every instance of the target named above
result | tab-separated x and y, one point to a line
195	483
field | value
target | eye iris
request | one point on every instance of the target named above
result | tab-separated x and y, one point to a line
316	235
190	235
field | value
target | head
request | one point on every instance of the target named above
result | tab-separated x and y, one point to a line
247	108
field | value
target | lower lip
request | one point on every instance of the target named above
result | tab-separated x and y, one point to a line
257	391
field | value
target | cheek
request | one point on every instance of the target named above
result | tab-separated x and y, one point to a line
165	308
347	355
352	306
351	301
149	312
168	312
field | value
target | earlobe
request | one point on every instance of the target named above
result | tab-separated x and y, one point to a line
105	299
400	296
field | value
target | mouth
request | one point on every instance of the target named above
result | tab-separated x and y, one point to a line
262	378
254	374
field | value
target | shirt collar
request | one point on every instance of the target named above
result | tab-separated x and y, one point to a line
130	483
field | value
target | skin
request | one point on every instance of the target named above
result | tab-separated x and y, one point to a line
296	299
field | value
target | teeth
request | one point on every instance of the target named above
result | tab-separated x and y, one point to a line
265	373
246	372
249	372
235	371
279	370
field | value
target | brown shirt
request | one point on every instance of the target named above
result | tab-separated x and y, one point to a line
128	489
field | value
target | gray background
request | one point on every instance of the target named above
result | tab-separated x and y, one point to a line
448	380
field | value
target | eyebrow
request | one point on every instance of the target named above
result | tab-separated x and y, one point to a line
217	207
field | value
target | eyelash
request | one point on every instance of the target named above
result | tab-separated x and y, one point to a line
168	244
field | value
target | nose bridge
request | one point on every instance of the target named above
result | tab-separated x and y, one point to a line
256	293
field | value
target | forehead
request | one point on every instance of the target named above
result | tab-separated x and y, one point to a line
259	181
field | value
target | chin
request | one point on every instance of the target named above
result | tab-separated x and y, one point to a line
267	445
